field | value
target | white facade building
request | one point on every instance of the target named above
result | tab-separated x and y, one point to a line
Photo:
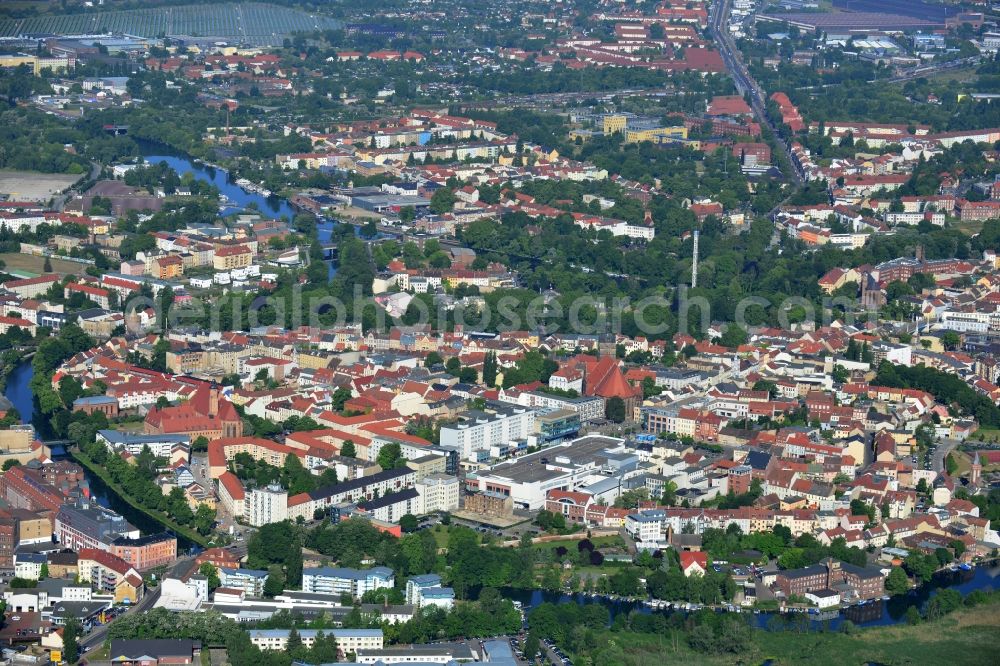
263	506
439	492
480	431
341	580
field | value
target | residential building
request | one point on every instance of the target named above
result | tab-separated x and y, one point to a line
340	580
251	581
146	552
265	505
438	492
348	640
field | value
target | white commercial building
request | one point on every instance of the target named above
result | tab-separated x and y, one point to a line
426	590
567	466
479	431
160	445
250	581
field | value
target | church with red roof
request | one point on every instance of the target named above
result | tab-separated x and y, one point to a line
208	413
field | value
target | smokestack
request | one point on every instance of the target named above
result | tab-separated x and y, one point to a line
694	262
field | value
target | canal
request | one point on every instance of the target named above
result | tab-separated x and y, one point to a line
18	391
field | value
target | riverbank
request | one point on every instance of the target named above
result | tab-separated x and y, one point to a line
161	518
957	639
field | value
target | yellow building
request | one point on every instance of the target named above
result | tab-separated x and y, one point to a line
36	63
657	135
313	359
232	256
615	123
168	267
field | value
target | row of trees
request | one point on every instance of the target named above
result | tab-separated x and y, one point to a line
945	387
139	483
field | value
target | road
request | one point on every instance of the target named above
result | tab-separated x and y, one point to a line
718	24
94	639
59	202
945	446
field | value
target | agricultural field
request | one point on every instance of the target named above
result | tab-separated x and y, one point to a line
251	23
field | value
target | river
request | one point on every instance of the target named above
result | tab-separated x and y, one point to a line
239	199
18	391
877	613
21	398
874	614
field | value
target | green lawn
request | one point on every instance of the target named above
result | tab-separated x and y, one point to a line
950	641
570	544
986	435
440	533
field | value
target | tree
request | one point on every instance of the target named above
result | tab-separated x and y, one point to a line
490	369
294	647
442	201
275	583
432	359
950	340
348	450
324	649
766	385
614	410
47	266
43	572
208	570
897	582
70	389
920	566
734	336
204	519
10	462
71	644
951	465
531	645
669	493
408	523
389	455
